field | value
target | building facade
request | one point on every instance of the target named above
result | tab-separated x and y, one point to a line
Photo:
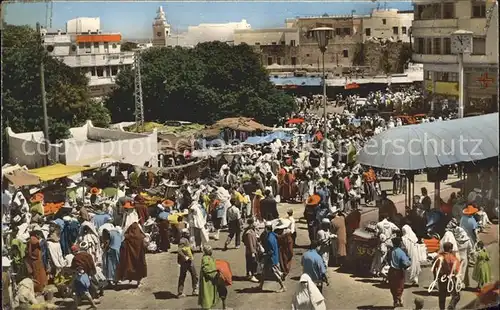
388	24
161	29
95	53
431	30
294	48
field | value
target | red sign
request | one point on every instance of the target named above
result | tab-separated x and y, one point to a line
351	86
485	80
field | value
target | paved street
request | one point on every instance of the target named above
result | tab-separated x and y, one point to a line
345	291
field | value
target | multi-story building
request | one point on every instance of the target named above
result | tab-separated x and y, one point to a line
294	48
85	46
434	22
388	24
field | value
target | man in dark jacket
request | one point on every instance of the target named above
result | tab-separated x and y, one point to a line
269	207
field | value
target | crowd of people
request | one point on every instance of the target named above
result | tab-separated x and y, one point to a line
100	238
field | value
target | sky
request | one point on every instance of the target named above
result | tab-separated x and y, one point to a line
134	19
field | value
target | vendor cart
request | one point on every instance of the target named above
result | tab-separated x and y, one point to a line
362	247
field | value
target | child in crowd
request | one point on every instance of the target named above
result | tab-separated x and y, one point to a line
482	270
483	219
185	259
82	288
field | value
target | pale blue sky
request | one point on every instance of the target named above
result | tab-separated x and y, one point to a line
134	19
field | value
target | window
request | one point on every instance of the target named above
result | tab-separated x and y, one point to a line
283	42
87	47
428	46
269	61
347	31
92	71
81	46
278	60
428	75
368	32
114	70
384	21
294	61
403	30
436	46
96	45
100	71
448	10
479	46
106	47
307	55
345	53
453	77
273	43
337	31
420	45
446	46
257	43
478	9
292	42
395	30
114	45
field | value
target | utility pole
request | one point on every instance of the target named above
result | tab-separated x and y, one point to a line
44	97
139	107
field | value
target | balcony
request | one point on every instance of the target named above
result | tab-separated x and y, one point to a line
430	58
97	60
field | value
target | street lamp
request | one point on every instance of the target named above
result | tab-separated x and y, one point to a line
322	35
461	43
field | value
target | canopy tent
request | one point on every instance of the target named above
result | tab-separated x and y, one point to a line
433	145
96	162
21	177
240	124
57	171
295	121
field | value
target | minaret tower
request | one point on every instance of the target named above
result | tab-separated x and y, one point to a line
161	29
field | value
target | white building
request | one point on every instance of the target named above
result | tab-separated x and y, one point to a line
163	36
161	29
85	46
433	24
388	24
269	36
214	32
87	144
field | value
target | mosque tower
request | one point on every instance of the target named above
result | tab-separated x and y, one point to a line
161	29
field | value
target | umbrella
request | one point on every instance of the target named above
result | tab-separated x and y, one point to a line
433	145
295	121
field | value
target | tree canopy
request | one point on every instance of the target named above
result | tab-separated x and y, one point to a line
68	100
204	84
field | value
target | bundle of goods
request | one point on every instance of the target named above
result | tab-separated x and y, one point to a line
150	200
50	208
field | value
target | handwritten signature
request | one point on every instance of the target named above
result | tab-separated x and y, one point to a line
454	282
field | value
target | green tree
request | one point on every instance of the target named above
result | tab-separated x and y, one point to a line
385	62
128	46
68	100
204	84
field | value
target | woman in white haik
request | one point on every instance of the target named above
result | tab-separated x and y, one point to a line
308	296
465	249
410	244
